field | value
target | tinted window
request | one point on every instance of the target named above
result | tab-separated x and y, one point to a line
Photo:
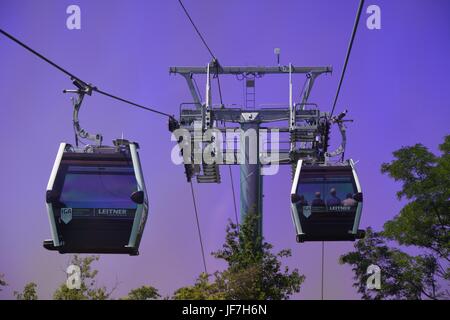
98	187
310	184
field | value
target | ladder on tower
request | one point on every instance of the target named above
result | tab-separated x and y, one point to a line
211	173
250	94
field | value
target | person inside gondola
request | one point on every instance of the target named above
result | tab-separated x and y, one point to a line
318	202
333	200
349	201
301	201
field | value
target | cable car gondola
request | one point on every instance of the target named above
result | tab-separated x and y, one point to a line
96	197
326	202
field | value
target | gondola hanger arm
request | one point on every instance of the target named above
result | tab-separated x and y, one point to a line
80	133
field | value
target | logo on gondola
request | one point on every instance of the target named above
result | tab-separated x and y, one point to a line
340	208
66	215
307	211
112	212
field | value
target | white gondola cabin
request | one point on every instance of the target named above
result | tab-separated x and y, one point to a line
96	200
326	202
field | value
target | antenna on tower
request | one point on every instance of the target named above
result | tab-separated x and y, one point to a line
277	52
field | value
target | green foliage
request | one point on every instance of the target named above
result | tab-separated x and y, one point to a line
402	276
253	272
2	281
423	223
143	293
28	293
88	289
201	290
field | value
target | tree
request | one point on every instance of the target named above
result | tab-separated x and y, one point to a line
201	290
422	224
2	281
143	293
28	293
253	272
88	289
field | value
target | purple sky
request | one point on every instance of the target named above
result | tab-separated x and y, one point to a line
397	90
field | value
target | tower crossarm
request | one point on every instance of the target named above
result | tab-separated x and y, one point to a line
260	70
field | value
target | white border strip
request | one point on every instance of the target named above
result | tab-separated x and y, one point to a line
294	211
142	209
360	205
51	182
